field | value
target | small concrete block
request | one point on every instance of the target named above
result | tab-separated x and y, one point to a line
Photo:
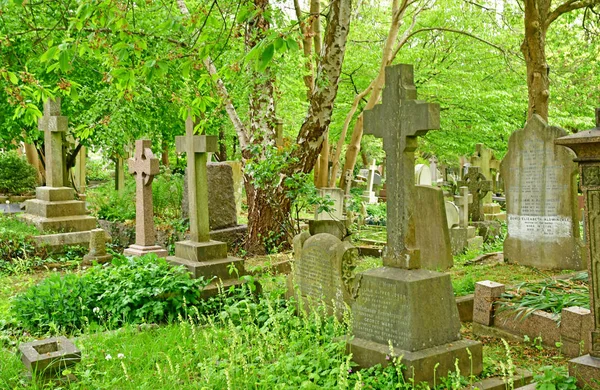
471	232
491	208
138	250
55	209
200	251
486	292
586	369
54	194
49	356
576	322
211	268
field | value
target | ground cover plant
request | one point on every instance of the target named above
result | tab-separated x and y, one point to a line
17	177
132	290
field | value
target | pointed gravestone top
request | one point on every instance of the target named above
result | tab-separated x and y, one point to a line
478	186
197	148
399	120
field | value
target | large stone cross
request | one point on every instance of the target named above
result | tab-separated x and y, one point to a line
478	187
399	121
54	127
144	166
197	148
462	201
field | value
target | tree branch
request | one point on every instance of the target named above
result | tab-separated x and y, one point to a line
568	6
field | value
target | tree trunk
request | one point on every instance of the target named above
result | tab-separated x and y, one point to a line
323	165
164	156
534	51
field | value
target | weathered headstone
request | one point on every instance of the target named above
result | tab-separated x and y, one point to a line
202	256
541	199
144	166
369	196
324	271
452	214
433	237
390	302
54	208
333	221
586	145
478	186
221	196
97	251
464	236
238	184
422	175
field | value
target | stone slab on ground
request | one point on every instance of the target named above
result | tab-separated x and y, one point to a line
57	242
520	378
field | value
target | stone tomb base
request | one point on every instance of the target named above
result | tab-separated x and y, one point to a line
464	238
209	260
587	371
55	209
420	365
414	311
139	250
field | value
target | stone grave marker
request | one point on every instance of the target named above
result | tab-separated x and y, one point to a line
324	271
586	145
144	166
369	195
201	255
97	251
55	208
400	303
541	199
478	186
433	237
452	214
463	235
487	163
422	175
332	222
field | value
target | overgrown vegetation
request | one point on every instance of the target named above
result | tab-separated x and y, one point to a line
132	290
17	177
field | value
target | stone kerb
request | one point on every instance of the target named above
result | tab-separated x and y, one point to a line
50	356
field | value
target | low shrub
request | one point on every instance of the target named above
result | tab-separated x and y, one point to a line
132	290
17	176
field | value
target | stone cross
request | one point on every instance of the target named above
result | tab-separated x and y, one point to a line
144	166
54	127
371	178
486	161
586	145
197	148
462	201
478	187
399	121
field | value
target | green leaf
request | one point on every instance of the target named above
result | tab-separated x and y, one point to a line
50	54
292	44
279	43
63	60
13	78
266	56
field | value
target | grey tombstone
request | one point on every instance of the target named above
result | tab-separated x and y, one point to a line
55	208
202	256
422	175
488	165
431	224
369	195
398	306
452	214
324	271
97	251
144	166
464	236
333	221
478	186
586	145
541	199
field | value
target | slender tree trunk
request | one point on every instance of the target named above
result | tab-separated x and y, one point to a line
164	156
33	159
534	51
323	165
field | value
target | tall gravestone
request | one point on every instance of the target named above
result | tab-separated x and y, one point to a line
144	166
55	208
369	195
433	236
541	199
202	256
401	304
586	145
333	220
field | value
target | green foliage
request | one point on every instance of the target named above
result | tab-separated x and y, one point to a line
17	176
132	290
463	286
17	248
98	170
554	378
376	214
550	295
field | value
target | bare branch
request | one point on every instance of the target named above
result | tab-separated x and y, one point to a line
568	6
